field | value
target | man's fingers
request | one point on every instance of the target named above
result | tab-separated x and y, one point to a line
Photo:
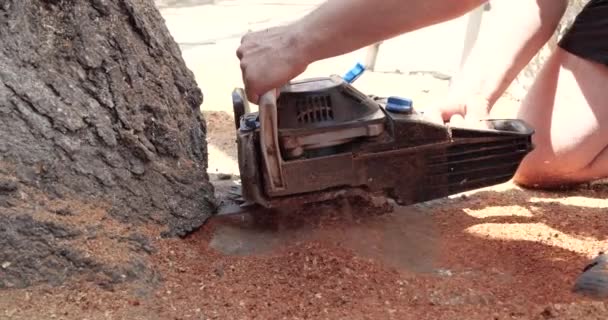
251	89
252	96
457	121
468	122
434	115
246	36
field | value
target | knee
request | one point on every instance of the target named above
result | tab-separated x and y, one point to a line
529	178
549	172
554	165
541	180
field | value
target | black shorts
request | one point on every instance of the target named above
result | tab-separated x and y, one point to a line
588	34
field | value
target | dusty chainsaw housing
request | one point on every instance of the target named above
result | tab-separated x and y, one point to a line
322	138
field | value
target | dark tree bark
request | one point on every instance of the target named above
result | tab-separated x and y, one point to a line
103	143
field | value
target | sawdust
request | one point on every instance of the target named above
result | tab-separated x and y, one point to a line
221	132
497	253
103	238
339	265
109	241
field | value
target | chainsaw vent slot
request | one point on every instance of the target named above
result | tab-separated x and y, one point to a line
313	109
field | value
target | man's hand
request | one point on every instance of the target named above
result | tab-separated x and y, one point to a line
461	112
269	59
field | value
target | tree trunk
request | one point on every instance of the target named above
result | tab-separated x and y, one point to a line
103	143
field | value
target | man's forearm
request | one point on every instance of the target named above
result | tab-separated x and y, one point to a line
342	26
517	32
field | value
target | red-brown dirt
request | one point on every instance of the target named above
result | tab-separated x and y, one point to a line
499	253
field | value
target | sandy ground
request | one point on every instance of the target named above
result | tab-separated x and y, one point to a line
496	253
500	252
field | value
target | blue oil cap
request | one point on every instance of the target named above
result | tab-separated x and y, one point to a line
399	105
354	73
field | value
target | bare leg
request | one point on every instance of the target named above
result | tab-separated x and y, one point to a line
568	108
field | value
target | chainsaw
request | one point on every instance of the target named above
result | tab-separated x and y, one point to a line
321	139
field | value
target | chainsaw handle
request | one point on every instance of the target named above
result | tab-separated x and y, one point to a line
269	140
268	99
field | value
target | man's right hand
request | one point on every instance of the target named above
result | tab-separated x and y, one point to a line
461	112
270	59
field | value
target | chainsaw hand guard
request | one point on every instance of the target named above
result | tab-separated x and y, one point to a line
269	142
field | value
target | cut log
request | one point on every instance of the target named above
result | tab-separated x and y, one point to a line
103	142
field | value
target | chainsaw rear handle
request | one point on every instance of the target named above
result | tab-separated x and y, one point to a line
269	141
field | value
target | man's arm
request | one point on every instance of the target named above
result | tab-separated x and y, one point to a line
340	26
271	58
514	36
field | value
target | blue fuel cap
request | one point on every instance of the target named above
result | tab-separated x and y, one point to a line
354	73
399	105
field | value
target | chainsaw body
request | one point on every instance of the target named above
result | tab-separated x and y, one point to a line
322	138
